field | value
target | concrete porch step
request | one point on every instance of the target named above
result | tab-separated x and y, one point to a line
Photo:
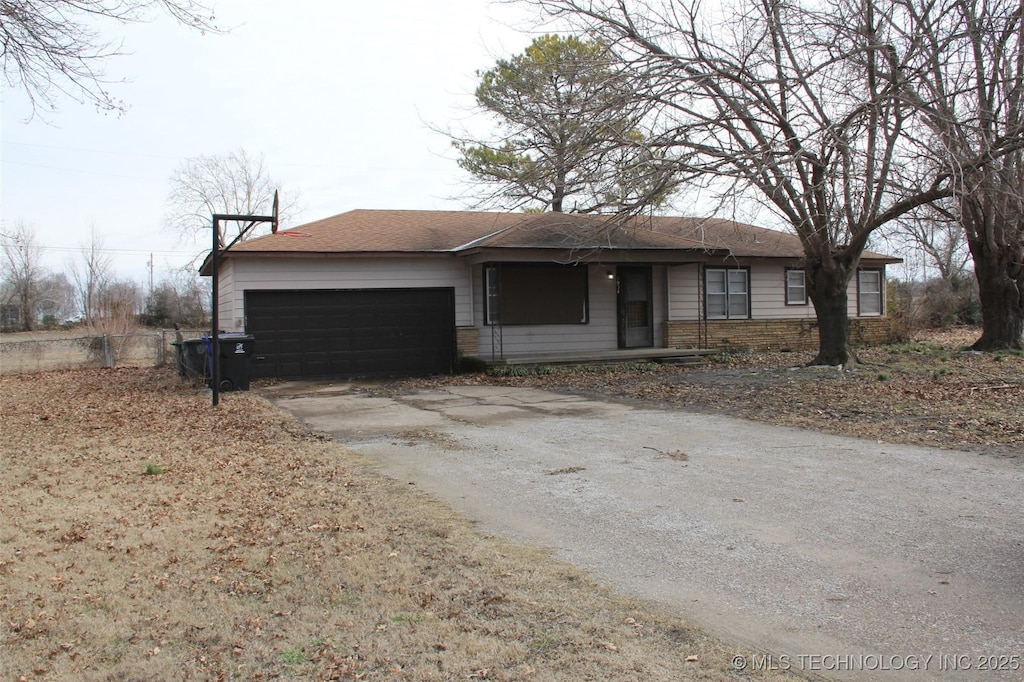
684	356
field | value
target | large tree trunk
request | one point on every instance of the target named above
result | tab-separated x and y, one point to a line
827	290
28	312
1002	298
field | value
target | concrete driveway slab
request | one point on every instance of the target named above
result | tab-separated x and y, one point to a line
842	557
350	416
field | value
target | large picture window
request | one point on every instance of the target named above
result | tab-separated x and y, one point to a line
727	293
544	293
869	292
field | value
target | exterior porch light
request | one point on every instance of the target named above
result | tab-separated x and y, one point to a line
611	275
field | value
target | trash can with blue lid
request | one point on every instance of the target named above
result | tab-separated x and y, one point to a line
235	360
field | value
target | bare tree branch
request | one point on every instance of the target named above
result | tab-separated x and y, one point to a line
91	272
804	107
22	272
52	48
235	183
972	96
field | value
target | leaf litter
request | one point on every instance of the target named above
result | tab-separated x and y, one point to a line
261	550
929	392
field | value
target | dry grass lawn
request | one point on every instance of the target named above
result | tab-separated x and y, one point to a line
146	536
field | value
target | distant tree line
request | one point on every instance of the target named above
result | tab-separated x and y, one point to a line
87	293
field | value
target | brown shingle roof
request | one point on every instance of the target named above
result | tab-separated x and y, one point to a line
371	231
386	231
575	231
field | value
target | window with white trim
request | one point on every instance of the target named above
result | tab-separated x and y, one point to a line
727	293
869	292
796	287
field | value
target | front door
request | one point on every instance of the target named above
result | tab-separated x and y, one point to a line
636	323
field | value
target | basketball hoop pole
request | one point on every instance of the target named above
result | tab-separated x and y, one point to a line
216	253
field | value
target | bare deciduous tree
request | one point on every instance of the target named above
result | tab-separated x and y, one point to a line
972	94
234	184
56	298
178	299
91	272
803	109
53	48
118	307
23	272
937	231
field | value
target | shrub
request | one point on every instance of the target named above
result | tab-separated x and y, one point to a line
949	302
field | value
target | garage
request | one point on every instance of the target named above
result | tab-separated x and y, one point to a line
351	332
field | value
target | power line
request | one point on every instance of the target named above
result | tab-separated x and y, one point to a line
77	170
127	252
91	151
102	249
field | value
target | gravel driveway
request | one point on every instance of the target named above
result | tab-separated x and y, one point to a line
843	557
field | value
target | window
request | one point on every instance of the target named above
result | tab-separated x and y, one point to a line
492	286
520	293
727	293
796	287
869	292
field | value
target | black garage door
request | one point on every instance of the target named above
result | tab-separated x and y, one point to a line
351	332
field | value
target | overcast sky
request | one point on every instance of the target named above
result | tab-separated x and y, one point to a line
337	96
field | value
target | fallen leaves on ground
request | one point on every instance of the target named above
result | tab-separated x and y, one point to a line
929	392
146	535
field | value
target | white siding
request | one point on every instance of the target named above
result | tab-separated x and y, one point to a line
767	294
675	290
600	333
337	273
683	292
226	313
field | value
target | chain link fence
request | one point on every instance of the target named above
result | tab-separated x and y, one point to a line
140	349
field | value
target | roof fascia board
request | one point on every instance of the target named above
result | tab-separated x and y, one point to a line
525	255
341	254
204	269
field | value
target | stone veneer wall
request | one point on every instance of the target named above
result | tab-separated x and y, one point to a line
772	334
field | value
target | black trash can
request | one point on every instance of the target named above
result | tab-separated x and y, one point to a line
192	358
235	361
